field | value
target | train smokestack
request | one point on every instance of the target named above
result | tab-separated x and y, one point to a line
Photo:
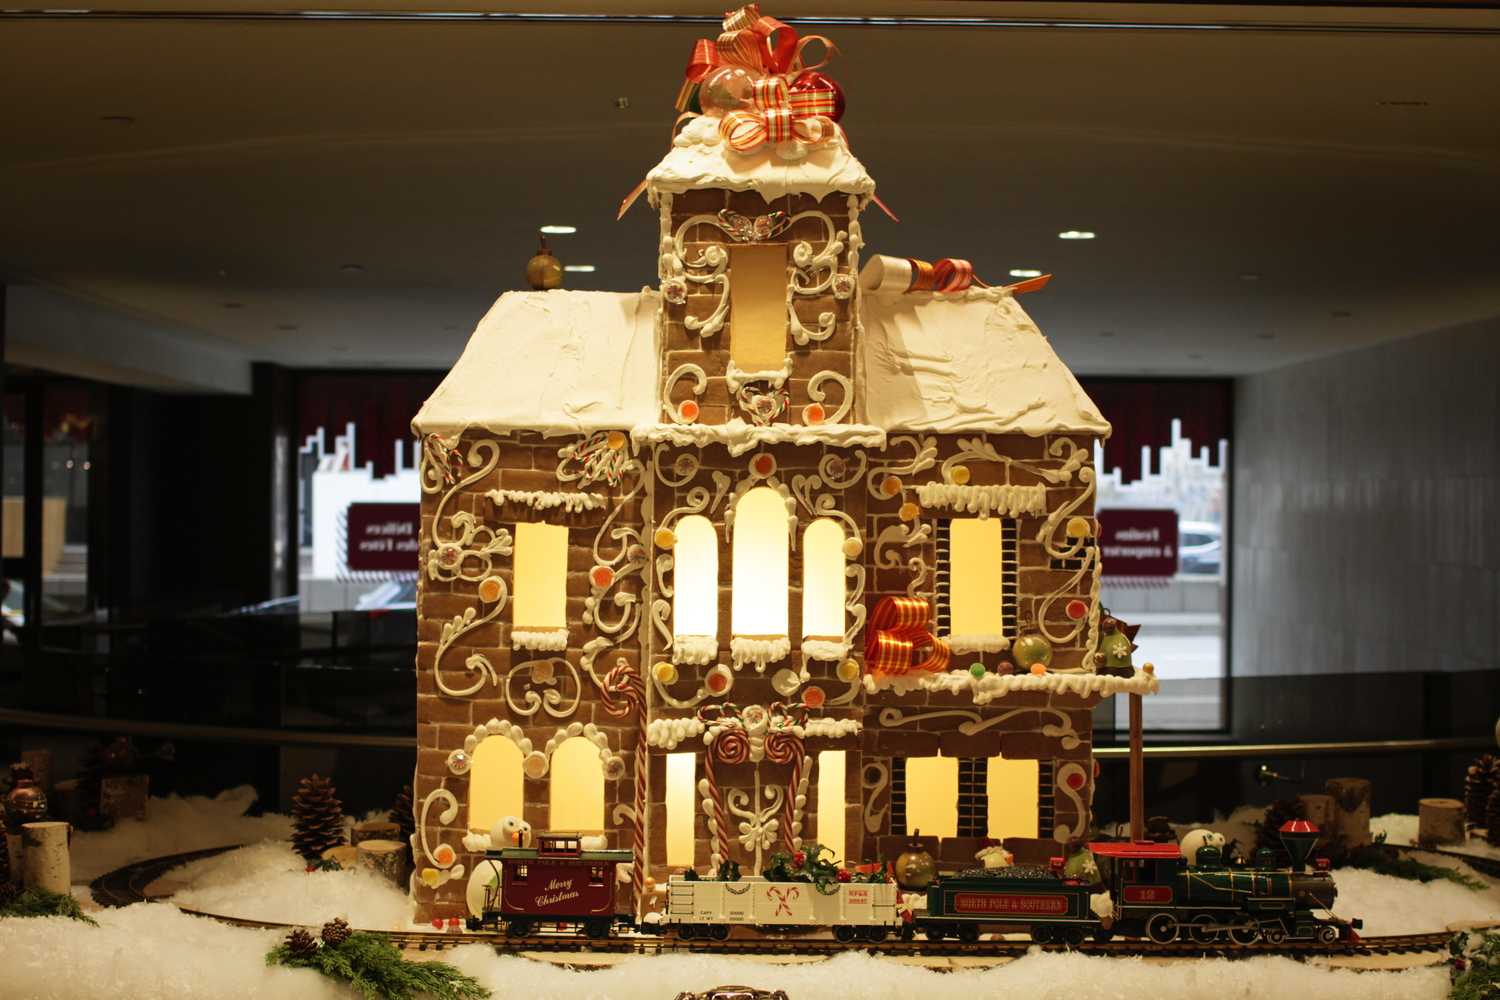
1298	837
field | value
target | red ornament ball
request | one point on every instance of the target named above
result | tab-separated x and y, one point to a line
816	93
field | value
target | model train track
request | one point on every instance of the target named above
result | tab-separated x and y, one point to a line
127	885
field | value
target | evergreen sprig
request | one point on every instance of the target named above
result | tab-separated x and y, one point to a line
39	901
376	968
1382	861
1474	968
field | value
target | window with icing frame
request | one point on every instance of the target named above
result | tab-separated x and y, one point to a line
761	564
695	590
540	577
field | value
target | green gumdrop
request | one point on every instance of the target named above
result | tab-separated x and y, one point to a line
977	670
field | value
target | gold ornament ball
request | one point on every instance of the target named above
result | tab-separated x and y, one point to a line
544	271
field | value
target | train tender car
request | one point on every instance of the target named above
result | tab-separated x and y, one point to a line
1055	908
557	882
854	910
1158	895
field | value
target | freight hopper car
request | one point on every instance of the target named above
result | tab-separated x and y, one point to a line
556	883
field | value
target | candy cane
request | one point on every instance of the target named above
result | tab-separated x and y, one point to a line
782	748
626	680
732	747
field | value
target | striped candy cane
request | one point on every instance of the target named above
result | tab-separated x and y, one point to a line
624	680
782	748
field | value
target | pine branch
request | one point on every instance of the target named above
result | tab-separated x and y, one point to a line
39	901
375	968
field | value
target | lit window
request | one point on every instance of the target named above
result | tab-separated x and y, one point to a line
757	306
682	804
977	563
495	785
1012	794
695	582
932	795
577	787
831	801
823	579
760	564
541	576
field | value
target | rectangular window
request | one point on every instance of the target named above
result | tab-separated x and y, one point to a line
541	576
520	874
973	797
1012	796
977	576
682	804
831	800
932	795
757	306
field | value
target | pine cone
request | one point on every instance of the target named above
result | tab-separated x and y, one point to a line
4	858
8	893
1478	784
1277	813
402	816
301	944
90	775
317	818
336	931
1492	816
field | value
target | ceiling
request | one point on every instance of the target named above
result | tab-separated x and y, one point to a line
355	191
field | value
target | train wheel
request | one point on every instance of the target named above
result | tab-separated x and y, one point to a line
1244	934
719	932
1202	929
1041	933
1327	934
968	933
875	935
596	929
519	927
934	932
474	923
843	934
686	932
1072	936
1275	935
1162	928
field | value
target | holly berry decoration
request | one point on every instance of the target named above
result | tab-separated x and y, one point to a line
336	931
844	875
799	858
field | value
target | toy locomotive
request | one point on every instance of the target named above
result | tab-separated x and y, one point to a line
1143	890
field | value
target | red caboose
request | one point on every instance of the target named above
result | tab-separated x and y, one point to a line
557	882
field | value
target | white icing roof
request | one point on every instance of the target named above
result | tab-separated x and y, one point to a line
560	362
699	158
569	363
968	361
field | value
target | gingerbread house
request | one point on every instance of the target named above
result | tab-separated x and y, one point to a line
769	555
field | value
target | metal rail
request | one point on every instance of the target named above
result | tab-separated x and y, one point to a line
306	738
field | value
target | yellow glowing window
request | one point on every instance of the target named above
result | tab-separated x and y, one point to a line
932	795
975	560
682	803
1012	788
695	595
577	787
495	784
760	563
823	578
757	306
831	801
541	576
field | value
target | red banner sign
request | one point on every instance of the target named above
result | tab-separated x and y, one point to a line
1152	894
1137	542
384	537
1006	903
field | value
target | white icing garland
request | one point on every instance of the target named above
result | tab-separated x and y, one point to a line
743	650
977	643
992	686
550	640
739	437
735	379
823	649
695	650
1011	501
544	499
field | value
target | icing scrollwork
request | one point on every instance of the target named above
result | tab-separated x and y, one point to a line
442	857
552	675
816	394
466	551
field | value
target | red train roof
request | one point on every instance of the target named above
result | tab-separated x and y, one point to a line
1140	849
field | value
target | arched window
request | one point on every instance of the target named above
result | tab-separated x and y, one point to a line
823	578
541	577
495	784
695	580
576	781
760	564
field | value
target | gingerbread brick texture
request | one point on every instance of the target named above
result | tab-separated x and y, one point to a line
754	515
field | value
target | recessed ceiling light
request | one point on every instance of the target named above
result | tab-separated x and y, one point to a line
1024	272
450	327
233	305
1266	336
341	348
1250	276
1106	333
1342	312
1195	357
578	267
287	326
1073	234
559	230
118	119
1411	104
352	267
623	102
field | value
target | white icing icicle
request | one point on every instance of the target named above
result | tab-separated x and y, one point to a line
543	499
546	639
1008	501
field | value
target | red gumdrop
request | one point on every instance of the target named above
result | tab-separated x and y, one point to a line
1077	609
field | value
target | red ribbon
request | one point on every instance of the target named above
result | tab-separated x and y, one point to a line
898	626
947	275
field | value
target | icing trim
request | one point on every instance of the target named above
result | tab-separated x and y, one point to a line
823	649
551	639
543	499
694	650
1011	501
977	643
743	650
739	437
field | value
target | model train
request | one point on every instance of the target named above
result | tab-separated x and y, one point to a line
1143	890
